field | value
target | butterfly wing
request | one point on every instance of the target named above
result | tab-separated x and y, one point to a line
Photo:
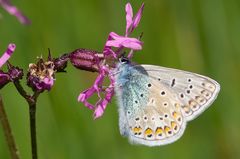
155	103
150	114
195	92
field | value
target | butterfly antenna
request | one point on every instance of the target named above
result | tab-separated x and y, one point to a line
140	37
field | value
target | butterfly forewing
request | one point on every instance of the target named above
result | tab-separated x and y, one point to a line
195	92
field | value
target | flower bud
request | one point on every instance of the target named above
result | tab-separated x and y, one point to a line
15	73
84	59
4	79
61	63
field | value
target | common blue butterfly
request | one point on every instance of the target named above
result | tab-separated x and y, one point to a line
155	103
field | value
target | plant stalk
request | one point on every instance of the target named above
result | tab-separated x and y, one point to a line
32	115
7	132
32	100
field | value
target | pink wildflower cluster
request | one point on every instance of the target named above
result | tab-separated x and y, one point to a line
112	49
11	9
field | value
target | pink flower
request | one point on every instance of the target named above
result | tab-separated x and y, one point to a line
132	23
6	4
7	54
120	42
113	47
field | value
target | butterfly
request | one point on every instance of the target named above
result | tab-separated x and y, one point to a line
155	103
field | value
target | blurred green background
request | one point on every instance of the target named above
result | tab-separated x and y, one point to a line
202	36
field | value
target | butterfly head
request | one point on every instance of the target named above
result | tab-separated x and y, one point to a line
124	60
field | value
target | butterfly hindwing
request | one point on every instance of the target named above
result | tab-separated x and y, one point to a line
147	115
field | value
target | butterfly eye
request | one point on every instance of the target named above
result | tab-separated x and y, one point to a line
124	60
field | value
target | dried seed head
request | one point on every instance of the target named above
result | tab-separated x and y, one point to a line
40	76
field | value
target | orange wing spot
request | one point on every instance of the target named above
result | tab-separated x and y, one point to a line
174	125
193	105
137	130
175	115
206	94
200	100
159	131
167	130
148	132
209	86
186	109
177	105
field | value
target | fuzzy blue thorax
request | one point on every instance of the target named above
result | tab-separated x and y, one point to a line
129	86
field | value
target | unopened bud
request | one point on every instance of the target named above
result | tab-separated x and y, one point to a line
61	63
84	59
4	79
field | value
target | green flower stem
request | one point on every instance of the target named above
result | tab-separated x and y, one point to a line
7	132
32	101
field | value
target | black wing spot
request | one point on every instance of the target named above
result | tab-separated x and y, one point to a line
141	95
165	103
173	82
150	135
189	80
163	93
149	85
181	95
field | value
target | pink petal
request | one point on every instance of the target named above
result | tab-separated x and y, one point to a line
129	16
108	51
7	54
137	17
11	9
101	106
114	35
48	83
131	43
86	94
98	111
